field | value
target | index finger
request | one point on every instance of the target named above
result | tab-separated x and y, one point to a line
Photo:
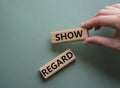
109	20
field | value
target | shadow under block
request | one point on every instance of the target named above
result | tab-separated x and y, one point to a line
69	35
57	63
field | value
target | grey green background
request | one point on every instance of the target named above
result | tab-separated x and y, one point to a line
25	46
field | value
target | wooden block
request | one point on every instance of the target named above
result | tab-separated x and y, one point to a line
69	35
57	63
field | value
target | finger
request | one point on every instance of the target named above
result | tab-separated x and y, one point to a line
110	8
99	40
100	21
107	8
116	5
107	12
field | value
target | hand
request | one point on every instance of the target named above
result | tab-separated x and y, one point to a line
108	16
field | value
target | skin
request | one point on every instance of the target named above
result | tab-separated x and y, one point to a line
108	16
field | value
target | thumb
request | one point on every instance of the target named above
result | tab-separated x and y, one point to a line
99	40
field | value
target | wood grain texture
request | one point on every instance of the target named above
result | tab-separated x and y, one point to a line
69	35
57	63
